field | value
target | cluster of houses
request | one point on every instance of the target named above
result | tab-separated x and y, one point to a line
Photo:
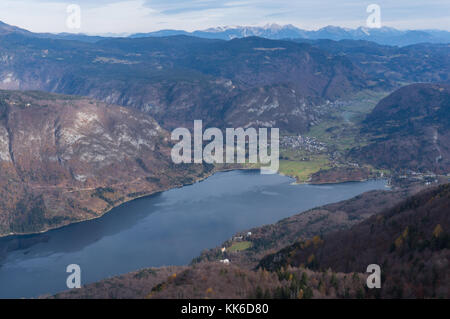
302	143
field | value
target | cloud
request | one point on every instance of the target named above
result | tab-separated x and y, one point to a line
128	16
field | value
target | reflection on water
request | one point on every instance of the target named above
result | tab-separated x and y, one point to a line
169	228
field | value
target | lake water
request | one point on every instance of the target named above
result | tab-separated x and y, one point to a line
170	228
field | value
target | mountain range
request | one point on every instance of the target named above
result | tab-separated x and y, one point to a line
241	82
178	79
384	35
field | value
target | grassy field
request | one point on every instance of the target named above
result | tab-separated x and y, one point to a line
302	170
336	135
240	246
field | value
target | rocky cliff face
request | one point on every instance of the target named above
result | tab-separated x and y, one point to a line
65	159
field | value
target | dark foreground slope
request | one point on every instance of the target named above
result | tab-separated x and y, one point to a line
410	130
65	159
410	242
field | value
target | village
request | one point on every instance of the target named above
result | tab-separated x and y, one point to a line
302	143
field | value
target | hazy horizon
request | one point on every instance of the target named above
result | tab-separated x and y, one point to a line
268	24
135	16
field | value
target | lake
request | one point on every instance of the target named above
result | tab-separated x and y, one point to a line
169	228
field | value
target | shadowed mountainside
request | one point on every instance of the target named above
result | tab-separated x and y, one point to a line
410	242
410	130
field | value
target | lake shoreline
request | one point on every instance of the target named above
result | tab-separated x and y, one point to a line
198	180
167	229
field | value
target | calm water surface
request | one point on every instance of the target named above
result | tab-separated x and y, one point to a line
169	228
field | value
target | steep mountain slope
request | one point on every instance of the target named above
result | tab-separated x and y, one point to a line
410	129
8	29
65	159
410	242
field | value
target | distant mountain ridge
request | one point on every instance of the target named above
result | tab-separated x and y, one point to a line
6	29
384	35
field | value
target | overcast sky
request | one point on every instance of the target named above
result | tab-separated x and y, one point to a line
129	16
